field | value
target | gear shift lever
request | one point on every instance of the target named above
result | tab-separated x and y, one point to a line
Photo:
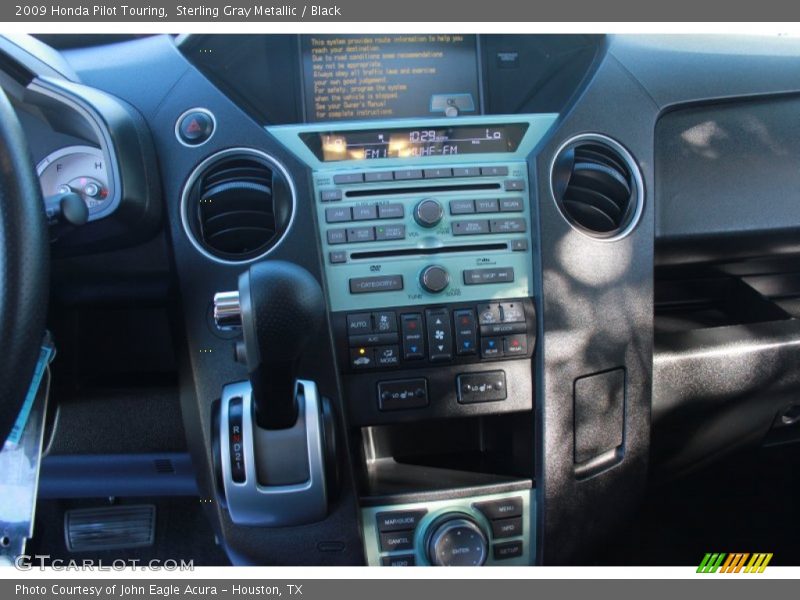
280	310
276	451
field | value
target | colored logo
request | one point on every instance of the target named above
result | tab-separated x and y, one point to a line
738	562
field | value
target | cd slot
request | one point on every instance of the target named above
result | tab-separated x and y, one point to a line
432	189
371	255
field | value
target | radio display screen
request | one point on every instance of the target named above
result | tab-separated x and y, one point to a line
419	142
358	77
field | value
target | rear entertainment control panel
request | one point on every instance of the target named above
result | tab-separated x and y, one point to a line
416	236
495	529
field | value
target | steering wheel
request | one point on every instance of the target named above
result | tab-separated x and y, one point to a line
24	267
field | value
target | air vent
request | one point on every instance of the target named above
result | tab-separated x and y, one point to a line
597	186
237	205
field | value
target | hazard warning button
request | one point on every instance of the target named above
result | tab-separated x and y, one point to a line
195	127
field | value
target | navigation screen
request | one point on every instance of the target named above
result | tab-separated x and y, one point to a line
414	142
389	76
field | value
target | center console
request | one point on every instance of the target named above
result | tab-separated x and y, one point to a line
426	235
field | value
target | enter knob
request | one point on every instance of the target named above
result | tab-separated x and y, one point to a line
457	541
428	213
434	279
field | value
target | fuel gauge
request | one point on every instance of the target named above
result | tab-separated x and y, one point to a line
78	169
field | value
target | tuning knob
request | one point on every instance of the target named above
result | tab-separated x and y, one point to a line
434	279
428	213
457	541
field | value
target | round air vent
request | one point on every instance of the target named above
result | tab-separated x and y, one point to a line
597	186
237	205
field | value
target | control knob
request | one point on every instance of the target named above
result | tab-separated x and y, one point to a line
434	279
456	540
428	213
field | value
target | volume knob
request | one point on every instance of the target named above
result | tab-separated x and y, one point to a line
428	213
434	279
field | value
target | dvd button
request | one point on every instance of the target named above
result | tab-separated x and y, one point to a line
337	236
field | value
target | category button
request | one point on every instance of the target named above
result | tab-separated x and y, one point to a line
380	283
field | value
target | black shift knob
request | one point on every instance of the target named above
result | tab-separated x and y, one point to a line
282	308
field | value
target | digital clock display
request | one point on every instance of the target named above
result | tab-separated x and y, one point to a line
420	142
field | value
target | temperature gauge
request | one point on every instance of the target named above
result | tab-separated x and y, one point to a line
77	169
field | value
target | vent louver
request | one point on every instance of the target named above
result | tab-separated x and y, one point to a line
237	205
597	187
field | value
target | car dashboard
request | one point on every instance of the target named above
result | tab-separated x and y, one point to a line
508	280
